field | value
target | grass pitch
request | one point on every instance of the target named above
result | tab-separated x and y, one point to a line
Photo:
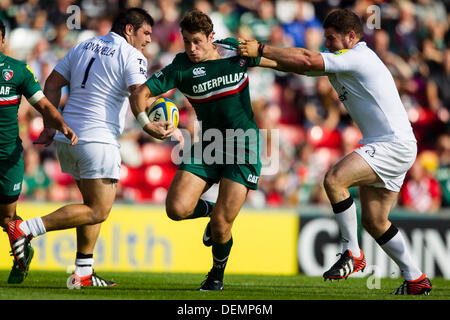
174	296
51	285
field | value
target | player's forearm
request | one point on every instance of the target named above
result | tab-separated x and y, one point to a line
138	99
285	56
51	116
294	59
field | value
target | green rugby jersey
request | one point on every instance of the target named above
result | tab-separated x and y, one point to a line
16	79
217	89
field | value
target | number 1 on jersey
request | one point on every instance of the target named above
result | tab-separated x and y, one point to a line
86	73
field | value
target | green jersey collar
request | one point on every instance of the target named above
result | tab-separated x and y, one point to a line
2	57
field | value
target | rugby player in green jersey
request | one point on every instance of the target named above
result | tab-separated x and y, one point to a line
17	79
214	79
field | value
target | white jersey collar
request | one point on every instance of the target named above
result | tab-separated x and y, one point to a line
116	37
360	43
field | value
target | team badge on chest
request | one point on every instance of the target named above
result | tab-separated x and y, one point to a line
7	74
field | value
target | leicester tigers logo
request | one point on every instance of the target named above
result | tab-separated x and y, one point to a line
7	74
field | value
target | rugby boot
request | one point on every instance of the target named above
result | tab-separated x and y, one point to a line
415	287
19	244
17	275
92	280
345	266
211	284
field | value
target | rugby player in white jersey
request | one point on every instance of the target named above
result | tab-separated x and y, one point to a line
367	90
102	72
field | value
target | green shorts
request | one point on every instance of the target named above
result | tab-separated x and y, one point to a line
11	177
244	172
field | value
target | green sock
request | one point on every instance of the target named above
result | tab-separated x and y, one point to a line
202	209
220	252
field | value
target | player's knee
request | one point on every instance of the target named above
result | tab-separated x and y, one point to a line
4	220
371	225
99	214
176	211
366	223
99	217
173	214
330	181
220	229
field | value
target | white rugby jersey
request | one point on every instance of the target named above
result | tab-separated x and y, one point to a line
100	70
368	91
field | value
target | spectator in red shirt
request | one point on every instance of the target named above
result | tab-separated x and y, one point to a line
421	192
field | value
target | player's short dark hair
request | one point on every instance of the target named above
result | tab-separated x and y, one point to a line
196	21
344	20
2	28
137	17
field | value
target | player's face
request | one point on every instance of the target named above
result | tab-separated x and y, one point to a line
198	46
141	37
335	41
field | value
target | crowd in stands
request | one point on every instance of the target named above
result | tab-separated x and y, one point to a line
302	113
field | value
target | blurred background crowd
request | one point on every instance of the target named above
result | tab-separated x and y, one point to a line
411	37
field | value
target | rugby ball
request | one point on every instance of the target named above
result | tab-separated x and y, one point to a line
163	109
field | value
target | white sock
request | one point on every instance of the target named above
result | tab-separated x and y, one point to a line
33	226
348	225
83	267
396	249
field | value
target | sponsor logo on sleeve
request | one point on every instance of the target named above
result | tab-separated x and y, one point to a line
340	52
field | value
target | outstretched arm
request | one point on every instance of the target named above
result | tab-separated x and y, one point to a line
296	60
267	63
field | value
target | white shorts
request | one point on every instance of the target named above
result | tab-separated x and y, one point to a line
89	160
390	161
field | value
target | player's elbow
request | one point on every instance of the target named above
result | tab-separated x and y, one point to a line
300	63
54	82
133	98
50	87
306	60
314	62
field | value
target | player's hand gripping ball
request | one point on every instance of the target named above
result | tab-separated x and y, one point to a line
163	109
